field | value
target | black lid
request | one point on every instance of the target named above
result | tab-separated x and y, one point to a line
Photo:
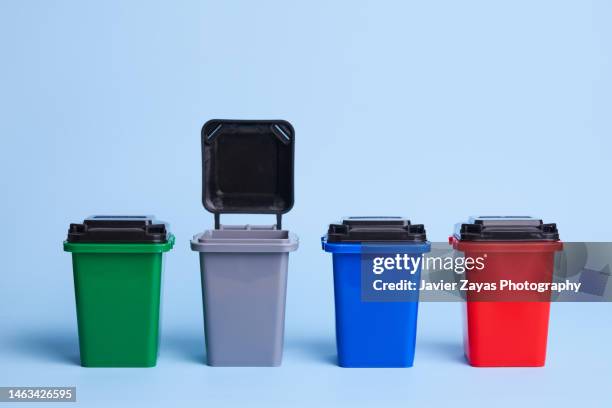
506	228
247	166
118	229
376	229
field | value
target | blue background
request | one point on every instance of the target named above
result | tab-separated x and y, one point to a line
435	110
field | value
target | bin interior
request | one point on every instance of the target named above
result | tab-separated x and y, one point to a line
276	234
234	234
245	238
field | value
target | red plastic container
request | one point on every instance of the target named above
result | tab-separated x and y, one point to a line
504	329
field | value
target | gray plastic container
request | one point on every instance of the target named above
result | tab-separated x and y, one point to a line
244	286
247	168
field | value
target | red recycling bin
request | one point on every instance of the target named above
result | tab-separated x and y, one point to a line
507	328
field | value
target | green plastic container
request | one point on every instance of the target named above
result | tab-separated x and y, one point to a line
117	265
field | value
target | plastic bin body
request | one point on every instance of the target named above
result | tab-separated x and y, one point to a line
117	291
506	333
117	268
247	168
244	286
370	334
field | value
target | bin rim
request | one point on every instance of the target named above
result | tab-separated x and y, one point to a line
120	248
357	247
259	245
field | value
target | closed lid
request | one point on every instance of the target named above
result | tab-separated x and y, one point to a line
118	229
376	229
506	228
247	166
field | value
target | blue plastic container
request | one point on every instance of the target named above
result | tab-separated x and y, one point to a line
372	334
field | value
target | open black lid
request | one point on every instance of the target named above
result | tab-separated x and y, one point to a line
506	228
247	166
118	229
376	229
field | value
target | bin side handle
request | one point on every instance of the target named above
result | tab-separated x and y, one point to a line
279	221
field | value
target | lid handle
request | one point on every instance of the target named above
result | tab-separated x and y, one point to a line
279	221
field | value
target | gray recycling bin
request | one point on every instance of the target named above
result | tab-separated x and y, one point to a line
247	168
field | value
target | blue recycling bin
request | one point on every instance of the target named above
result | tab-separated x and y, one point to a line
373	333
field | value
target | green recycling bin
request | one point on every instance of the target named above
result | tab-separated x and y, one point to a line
117	266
